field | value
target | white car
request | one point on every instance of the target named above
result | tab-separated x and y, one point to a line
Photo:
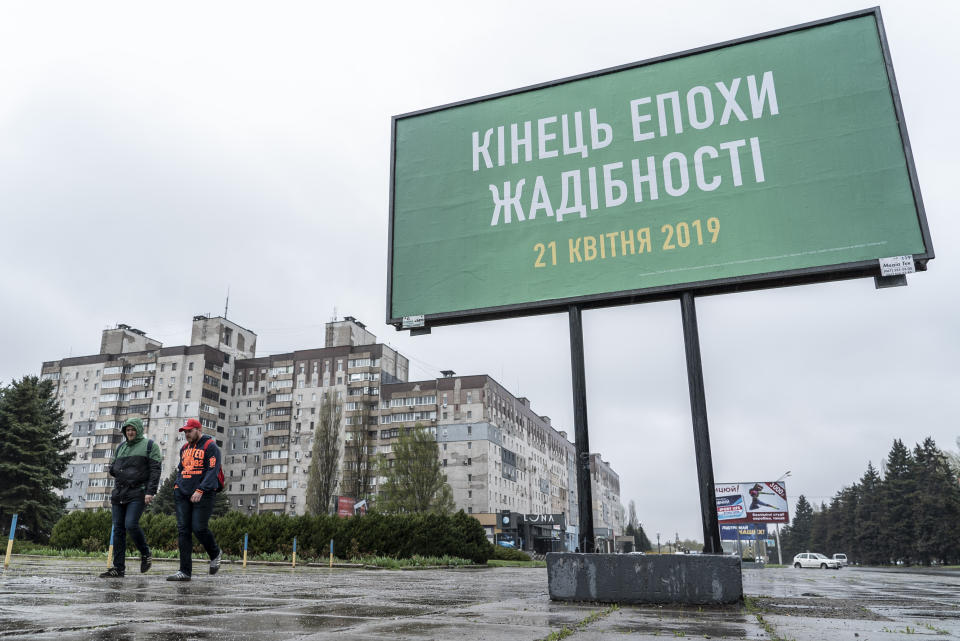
841	559
814	560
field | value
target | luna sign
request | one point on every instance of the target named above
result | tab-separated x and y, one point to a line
771	160
752	503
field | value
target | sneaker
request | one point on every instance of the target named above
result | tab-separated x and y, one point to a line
145	563
112	573
179	576
215	563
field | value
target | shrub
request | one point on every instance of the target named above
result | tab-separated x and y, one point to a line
71	530
501	553
400	536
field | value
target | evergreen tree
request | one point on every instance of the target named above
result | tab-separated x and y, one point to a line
819	530
33	456
936	503
163	503
415	481
897	496
796	537
635	528
842	522
325	455
643	542
221	504
869	517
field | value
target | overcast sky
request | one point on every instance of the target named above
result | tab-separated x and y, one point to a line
150	158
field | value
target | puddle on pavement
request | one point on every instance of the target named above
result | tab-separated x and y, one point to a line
126	634
18	626
674	629
820	608
362	610
438	602
933	614
418	628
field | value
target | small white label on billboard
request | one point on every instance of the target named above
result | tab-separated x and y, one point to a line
413	321
897	266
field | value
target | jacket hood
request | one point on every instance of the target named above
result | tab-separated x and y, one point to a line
137	424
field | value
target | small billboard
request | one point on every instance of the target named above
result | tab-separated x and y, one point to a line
345	506
764	502
745	532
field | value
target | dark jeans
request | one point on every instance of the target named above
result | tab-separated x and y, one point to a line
126	518
192	518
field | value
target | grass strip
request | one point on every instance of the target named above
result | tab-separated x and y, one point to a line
566	631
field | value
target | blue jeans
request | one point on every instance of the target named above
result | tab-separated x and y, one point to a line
192	519
126	518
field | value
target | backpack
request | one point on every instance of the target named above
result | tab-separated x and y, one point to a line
220	471
220	478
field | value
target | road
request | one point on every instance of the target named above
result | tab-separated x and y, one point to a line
45	599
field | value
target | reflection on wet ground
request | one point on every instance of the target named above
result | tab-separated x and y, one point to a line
65	601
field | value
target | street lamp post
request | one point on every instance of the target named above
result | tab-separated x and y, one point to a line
780	549
658	543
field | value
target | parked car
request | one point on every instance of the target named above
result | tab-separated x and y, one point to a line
841	559
814	560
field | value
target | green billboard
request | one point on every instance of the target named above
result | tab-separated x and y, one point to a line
771	160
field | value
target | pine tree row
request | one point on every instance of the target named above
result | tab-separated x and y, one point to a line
909	514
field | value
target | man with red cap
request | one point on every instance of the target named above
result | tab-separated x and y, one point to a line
194	493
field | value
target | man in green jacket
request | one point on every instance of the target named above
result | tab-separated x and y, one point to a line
136	468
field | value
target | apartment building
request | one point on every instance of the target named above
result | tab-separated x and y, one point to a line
498	454
134	376
608	513
275	407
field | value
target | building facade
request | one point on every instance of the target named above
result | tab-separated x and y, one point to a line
134	376
497	453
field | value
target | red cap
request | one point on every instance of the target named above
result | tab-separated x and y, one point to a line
192	424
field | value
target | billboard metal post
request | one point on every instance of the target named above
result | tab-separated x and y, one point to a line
779	549
701	433
582	441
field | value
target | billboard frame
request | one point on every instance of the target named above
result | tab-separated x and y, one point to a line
768	280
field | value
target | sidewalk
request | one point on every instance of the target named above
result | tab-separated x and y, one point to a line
63	600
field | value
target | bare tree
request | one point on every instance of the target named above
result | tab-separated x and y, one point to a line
633	515
325	455
358	462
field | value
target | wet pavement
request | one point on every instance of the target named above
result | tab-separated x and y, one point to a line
63	600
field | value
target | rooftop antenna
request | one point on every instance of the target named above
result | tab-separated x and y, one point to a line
226	306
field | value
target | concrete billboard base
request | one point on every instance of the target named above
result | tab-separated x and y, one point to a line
696	579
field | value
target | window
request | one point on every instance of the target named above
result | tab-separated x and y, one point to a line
190	366
469	477
444	462
173	367
469	413
469	461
